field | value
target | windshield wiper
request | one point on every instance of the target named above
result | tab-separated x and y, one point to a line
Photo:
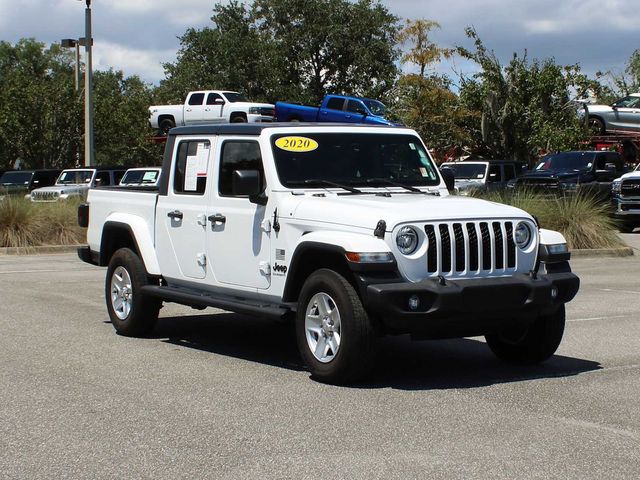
395	184
320	181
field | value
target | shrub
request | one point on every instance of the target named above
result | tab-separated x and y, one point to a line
17	222
26	224
581	217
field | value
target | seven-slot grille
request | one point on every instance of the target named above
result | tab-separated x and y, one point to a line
470	247
45	196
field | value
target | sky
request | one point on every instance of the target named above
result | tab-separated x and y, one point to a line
137	36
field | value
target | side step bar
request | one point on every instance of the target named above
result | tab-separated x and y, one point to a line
238	305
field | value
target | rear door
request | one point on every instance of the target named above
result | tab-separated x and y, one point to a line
194	108
180	215
333	111
237	238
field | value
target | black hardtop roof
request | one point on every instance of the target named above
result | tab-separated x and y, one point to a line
257	128
31	170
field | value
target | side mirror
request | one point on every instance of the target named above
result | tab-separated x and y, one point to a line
218	101
449	178
247	183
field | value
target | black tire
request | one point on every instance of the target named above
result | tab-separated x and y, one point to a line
143	310
530	345
294	120
166	124
596	126
357	337
238	119
627	227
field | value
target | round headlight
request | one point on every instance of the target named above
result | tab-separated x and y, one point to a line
522	235
407	240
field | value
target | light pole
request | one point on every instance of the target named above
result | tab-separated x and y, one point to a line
89	159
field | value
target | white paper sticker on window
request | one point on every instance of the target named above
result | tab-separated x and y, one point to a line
149	176
203	156
191	174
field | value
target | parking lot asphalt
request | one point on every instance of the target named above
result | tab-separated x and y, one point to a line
218	395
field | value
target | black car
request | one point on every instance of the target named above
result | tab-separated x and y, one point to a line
23	181
567	172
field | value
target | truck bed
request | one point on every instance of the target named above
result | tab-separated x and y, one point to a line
286	112
107	204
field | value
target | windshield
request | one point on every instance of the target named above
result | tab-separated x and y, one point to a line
375	107
352	159
234	97
74	177
10	179
467	171
566	162
142	177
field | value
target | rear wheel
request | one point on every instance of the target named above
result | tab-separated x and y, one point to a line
532	344
335	336
596	126
166	125
131	312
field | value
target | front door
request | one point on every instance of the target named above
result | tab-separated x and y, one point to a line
213	108
181	219
238	234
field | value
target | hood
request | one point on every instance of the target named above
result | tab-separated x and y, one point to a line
65	188
634	174
551	176
600	108
253	104
364	211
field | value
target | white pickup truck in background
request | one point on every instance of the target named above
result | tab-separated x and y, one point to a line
210	106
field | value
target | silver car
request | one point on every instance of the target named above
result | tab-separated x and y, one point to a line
623	114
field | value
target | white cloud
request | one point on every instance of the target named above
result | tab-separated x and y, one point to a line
147	64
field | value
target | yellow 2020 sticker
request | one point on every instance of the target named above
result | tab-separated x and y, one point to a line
296	144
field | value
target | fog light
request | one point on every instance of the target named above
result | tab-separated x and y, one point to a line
554	292
414	302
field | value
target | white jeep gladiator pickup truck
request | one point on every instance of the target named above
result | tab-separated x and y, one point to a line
210	106
348	230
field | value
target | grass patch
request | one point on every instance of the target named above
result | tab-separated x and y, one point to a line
582	218
27	224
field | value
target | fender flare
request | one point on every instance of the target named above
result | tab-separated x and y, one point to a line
139	230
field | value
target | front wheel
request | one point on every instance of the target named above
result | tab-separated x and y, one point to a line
627	227
131	312
335	336
532	344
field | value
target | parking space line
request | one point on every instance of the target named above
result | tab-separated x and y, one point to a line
590	319
617	290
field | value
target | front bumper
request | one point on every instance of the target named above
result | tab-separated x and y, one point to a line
468	307
257	118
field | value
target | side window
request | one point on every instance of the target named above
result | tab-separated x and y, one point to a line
238	155
196	99
335	103
356	106
103	179
509	172
214	99
601	161
190	167
494	173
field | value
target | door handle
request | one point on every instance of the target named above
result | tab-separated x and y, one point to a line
188	109
176	214
217	218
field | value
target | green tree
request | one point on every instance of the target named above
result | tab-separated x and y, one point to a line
425	100
526	107
122	121
288	49
40	113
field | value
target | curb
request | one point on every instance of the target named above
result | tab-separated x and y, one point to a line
41	250
602	252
